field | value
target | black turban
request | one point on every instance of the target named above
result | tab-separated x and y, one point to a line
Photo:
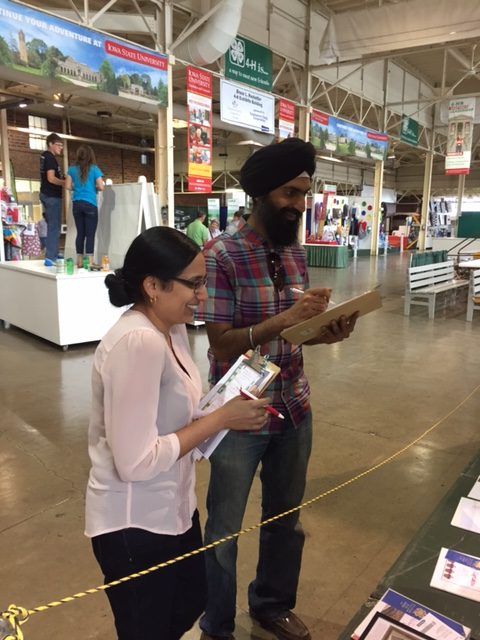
272	166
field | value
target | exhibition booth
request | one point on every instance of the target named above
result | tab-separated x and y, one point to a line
71	308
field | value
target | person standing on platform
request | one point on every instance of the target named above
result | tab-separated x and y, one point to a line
51	185
141	508
85	179
253	282
197	231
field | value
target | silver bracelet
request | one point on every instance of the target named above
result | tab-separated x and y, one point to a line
250	337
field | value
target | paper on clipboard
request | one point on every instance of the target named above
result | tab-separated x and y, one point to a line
313	327
251	372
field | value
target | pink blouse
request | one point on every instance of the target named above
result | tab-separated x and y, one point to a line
141	396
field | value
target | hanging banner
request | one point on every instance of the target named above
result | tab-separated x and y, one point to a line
409	131
199	101
286	119
248	62
461	112
246	107
345	138
42	45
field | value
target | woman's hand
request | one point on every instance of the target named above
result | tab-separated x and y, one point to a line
242	414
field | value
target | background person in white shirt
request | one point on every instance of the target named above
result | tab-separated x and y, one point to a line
141	503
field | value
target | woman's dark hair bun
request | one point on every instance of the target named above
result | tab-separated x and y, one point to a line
119	292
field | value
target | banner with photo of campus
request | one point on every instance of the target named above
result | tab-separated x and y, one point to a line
43	45
345	138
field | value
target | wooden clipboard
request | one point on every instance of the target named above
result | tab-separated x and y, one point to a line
313	327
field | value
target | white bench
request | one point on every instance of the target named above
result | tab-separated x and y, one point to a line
473	294
423	284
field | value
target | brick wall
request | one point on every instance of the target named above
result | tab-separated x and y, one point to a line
121	165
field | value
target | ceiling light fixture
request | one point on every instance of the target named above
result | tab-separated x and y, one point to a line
253	143
177	123
330	158
59	105
104	114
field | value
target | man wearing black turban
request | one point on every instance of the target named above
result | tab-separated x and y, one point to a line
254	278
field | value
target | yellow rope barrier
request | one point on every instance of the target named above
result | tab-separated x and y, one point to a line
16	616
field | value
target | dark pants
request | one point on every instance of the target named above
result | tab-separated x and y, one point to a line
52	208
86	220
162	605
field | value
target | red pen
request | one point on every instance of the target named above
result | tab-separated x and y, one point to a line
267	407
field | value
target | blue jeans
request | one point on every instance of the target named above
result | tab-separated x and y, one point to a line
284	458
53	214
86	220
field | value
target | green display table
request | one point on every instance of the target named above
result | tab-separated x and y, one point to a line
411	573
327	255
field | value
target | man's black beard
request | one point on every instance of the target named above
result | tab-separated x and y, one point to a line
280	231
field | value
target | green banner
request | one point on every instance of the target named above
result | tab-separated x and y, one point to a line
248	62
409	131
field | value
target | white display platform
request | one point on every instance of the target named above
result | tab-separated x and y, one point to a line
438	244
64	309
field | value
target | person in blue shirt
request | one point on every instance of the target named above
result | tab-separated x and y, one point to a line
85	179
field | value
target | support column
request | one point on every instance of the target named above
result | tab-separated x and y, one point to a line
460	192
427	187
164	157
5	152
377	203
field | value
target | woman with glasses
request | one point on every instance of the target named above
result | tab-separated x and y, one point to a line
141	505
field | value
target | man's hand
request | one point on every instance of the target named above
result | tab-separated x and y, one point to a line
310	303
337	330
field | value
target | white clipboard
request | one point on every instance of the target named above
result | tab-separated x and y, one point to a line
251	372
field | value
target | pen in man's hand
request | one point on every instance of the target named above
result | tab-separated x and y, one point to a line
267	407
295	290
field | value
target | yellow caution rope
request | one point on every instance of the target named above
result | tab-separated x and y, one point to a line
16	616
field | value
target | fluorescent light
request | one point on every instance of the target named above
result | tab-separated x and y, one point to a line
253	143
23	105
58	105
330	158
179	124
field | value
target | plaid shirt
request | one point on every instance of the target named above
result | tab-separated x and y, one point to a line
241	293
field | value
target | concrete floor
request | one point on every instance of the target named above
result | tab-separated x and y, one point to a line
371	396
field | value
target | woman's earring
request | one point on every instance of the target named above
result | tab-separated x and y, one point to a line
153	300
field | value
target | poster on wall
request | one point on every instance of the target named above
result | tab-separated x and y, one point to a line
345	138
213	208
199	147
247	107
461	112
286	119
42	45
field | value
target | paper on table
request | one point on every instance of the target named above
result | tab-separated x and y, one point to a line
467	515
313	328
457	573
475	490
416	616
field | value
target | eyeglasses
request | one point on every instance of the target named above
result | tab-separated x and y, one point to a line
195	285
276	270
